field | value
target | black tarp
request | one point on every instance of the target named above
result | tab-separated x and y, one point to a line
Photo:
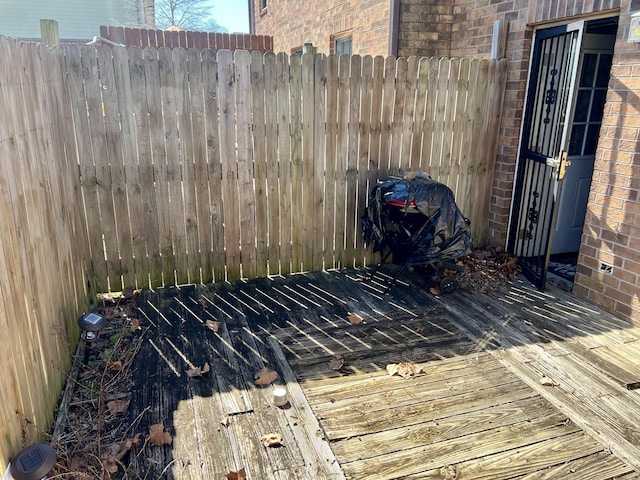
417	219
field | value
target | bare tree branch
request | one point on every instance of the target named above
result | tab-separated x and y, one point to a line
186	14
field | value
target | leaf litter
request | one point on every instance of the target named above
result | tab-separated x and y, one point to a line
92	435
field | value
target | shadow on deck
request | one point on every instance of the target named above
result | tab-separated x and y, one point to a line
516	384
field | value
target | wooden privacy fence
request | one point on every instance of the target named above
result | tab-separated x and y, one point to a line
199	167
136	167
151	37
44	251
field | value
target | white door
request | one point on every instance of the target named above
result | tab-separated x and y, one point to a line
589	98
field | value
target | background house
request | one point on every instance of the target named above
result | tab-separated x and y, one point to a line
77	19
592	44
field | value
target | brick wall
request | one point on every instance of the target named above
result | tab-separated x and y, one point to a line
472	35
293	23
612	225
425	28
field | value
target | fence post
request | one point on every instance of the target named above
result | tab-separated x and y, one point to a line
49	33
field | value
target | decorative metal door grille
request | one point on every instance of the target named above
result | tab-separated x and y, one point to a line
537	181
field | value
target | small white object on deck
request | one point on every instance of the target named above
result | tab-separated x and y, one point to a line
280	397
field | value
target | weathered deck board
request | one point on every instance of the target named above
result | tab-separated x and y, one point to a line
477	407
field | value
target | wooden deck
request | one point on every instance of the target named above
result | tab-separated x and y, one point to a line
478	409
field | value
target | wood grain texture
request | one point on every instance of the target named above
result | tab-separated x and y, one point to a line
296	144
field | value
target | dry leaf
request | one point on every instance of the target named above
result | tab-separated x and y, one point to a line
116	366
239	475
265	376
213	325
435	290
272	440
135	325
118	451
157	435
197	372
118	406
449	472
548	382
404	369
354	318
111	465
336	363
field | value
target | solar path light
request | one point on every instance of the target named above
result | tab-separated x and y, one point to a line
31	463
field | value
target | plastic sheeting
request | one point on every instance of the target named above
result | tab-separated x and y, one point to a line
417	219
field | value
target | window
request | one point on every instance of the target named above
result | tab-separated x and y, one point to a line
263	4
343	45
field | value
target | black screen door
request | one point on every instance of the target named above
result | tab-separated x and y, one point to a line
542	147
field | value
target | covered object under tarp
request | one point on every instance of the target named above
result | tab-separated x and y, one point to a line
415	220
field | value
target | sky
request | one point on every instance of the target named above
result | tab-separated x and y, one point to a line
232	14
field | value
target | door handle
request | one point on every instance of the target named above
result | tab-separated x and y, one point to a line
564	163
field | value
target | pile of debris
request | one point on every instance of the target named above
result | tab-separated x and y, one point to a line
487	269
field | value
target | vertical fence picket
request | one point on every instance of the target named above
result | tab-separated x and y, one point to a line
145	200
364	140
184	108
227	93
246	169
388	94
400	90
307	214
258	97
138	273
448	127
316	211
440	127
121	264
271	162
409	115
200	252
429	143
35	219
459	125
467	146
283	77
159	172
342	152
101	170
329	207
296	205
375	129
170	170
419	114
351	172
215	209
